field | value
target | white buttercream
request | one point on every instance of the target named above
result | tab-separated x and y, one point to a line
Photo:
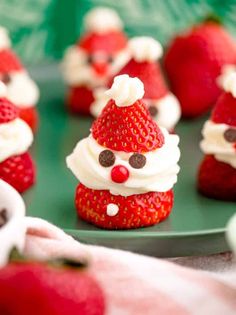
15	138
159	173
227	70
102	20
125	91
112	209
229	83
100	101
4	38
12	234
22	90
214	143
145	48
3	90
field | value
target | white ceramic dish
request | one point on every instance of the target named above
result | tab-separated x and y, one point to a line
12	234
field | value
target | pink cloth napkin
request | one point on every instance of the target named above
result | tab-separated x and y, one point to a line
134	284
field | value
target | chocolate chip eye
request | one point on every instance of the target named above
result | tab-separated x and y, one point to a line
106	158
110	59
90	59
153	110
230	135
6	78
137	160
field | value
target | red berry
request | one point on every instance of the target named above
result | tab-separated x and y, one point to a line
225	110
18	171
30	116
42	290
217	179
193	62
128	129
79	100
119	174
8	111
134	211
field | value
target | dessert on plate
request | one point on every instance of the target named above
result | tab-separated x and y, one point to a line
16	165
217	172
21	89
162	104
193	62
98	54
127	166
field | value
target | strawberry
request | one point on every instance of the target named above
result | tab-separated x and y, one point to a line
134	211
8	111
193	62
28	288
128	129
9	62
18	171
217	179
225	110
79	100
30	116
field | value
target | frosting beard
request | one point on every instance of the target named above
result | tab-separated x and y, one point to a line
15	138
22	90
158	175
215	143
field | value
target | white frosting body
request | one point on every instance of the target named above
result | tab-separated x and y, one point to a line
214	143
125	91
159	174
22	90
15	138
100	101
102	20
77	71
145	48
4	38
12	234
227	70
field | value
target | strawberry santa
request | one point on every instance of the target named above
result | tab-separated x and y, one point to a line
217	173
99	53
162	104
21	89
127	166
16	165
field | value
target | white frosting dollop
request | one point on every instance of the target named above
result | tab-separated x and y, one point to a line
214	143
125	91
226	71
102	20
145	48
112	209
4	38
15	138
22	90
229	83
159	173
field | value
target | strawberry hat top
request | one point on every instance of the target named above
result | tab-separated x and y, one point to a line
125	123
224	111
103	31
8	111
8	60
145	52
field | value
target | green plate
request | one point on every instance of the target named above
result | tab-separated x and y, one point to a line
196	225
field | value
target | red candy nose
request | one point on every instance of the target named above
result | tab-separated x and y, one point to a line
119	174
100	68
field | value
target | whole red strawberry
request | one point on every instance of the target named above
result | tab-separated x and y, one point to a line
134	211
193	62
35	288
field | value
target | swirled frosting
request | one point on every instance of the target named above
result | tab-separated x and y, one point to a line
145	48
125	91
15	138
159	173
214	143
